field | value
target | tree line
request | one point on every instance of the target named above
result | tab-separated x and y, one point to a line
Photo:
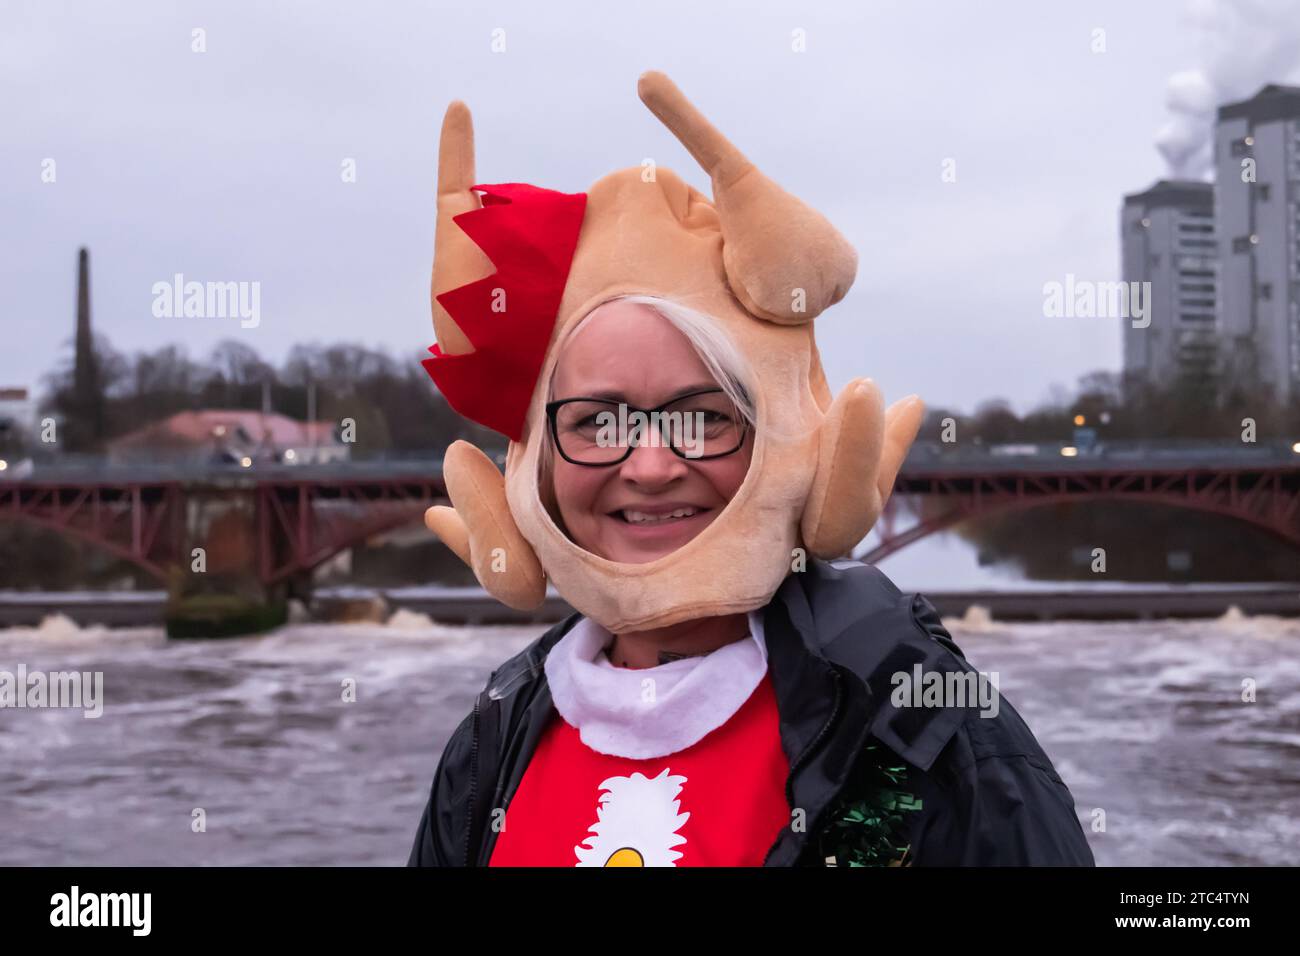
393	401
397	408
1125	408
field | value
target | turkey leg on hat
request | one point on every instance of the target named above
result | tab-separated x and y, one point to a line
478	528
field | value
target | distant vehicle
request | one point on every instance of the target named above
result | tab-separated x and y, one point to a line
231	458
1014	450
1085	439
15	470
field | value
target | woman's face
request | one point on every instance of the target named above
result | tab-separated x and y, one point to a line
629	353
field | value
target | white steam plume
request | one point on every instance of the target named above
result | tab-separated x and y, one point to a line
1245	44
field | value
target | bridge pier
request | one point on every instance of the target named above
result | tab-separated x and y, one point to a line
299	586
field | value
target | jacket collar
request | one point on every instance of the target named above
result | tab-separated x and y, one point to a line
833	648
838	635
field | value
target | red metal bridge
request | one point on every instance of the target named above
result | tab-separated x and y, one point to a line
1258	485
304	515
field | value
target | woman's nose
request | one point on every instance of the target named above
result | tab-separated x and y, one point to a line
652	464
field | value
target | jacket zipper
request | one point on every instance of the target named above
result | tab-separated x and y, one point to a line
494	694
799	761
473	784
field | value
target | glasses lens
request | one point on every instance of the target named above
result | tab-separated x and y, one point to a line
704	425
589	432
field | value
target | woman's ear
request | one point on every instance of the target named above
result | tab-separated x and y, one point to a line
482	531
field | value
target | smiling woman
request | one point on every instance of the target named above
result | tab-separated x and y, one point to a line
639	500
721	697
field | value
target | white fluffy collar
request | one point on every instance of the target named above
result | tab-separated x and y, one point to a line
650	711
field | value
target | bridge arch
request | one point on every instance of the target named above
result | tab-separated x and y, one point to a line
343	535
996	505
92	538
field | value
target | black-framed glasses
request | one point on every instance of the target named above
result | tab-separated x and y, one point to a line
597	432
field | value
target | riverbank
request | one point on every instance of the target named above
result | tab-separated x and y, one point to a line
471	605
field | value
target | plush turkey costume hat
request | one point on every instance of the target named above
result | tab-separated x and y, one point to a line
514	271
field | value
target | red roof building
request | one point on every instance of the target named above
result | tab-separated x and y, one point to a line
231	436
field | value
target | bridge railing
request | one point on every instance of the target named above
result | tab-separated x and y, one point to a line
91	469
924	458
927	457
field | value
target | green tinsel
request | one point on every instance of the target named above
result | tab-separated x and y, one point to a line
868	824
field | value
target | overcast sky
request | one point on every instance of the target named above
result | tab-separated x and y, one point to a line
225	165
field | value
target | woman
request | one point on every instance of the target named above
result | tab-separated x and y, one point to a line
725	696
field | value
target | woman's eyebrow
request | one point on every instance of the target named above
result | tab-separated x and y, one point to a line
616	395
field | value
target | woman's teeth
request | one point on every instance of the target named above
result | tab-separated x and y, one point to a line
640	517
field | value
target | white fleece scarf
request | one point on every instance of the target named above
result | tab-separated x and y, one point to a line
650	711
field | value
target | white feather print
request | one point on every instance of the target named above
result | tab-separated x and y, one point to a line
636	824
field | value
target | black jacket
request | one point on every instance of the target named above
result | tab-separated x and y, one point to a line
835	635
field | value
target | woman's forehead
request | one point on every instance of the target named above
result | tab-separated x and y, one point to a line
629	349
645	397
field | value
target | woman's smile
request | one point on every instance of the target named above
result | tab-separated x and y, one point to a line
668	525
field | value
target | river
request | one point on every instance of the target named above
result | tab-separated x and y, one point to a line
1144	721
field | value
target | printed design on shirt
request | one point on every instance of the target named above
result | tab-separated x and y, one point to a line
636	824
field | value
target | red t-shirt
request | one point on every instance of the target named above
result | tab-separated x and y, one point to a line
719	802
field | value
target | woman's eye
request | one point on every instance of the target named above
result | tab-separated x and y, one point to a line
709	416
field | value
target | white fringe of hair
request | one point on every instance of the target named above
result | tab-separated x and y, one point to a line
719	354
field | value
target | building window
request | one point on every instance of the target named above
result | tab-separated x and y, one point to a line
1241	244
1240	147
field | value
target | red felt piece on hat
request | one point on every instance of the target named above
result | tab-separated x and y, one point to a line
530	235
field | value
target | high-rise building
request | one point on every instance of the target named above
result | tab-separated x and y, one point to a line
1167	238
1257	203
